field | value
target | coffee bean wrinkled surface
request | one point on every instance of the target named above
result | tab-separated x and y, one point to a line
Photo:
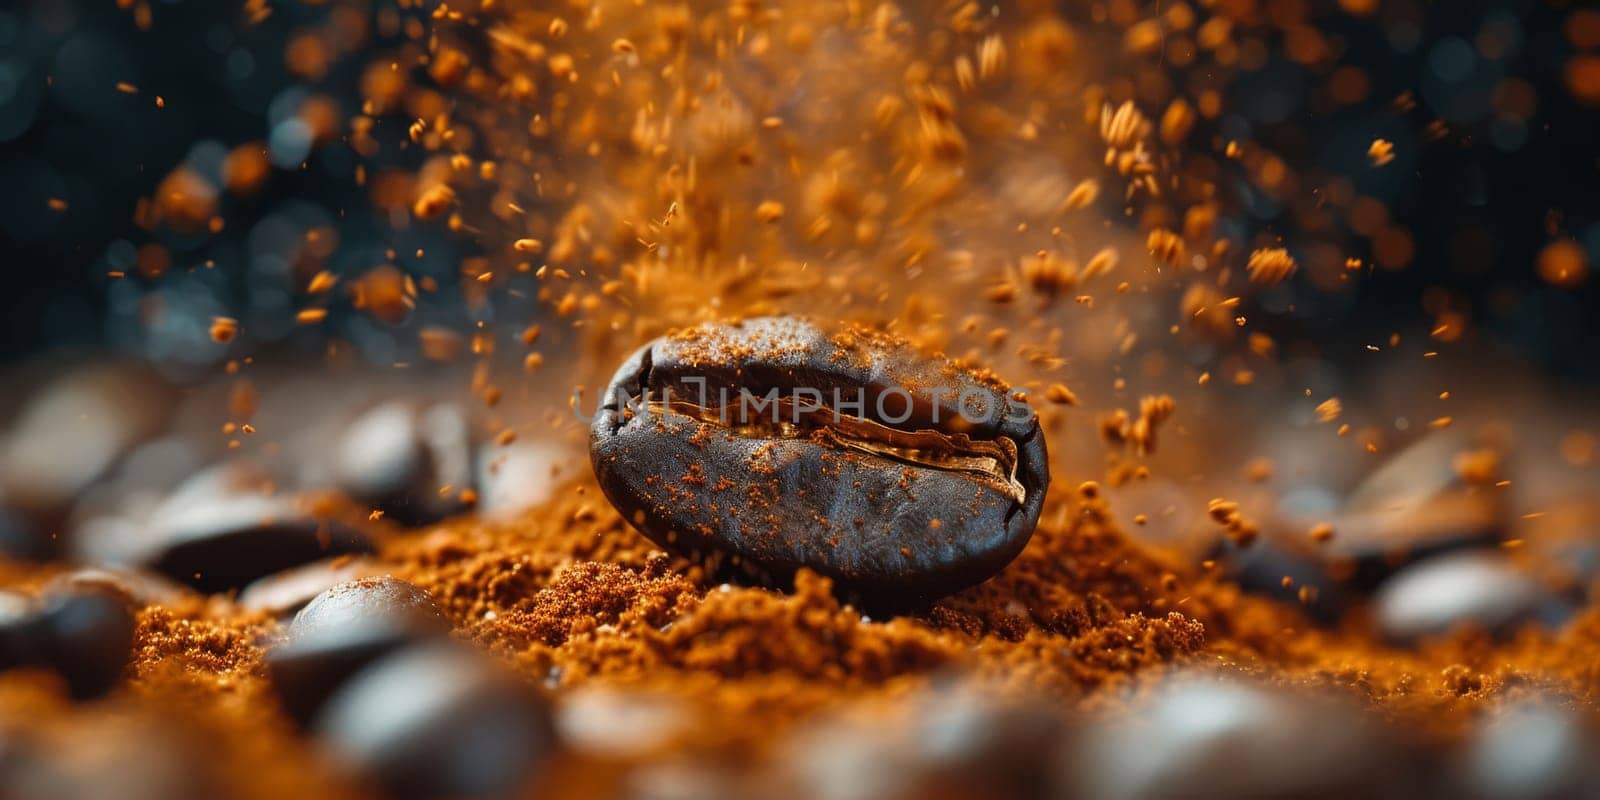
769	445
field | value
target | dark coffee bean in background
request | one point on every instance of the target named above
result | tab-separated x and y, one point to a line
65	438
1262	566
143	479
438	720
856	504
1375	544
218	531
136	588
74	430
343	630
21	539
90	636
83	635
22	631
1479	589
1414	506
412	462
286	592
230	542
1423	469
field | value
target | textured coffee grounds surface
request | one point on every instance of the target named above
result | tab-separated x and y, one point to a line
576	602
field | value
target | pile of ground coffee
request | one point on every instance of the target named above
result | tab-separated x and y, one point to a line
651	668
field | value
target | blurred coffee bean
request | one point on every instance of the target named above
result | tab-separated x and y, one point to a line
614	723
90	636
1374	544
517	477
1562	541
21	539
1421	470
949	742
85	636
144	478
21	630
109	541
848	758
136	588
1201	736
343	630
970	743
1537	749
230	542
218	531
94	757
1479	589
286	592
1416	505
1262	566
73	431
439	720
412	463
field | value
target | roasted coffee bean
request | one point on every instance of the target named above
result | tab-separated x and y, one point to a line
1287	571
901	476
1200	736
21	630
85	636
231	542
75	430
219	531
90	636
1537	748
376	603
283	593
1478	589
1413	507
437	720
138	486
343	630
21	539
951	741
136	588
410	462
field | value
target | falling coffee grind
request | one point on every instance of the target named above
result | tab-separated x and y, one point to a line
769	445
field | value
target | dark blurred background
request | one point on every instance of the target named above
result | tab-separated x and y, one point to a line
1496	156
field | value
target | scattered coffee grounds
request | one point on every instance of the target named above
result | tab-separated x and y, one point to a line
1114	399
567	605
